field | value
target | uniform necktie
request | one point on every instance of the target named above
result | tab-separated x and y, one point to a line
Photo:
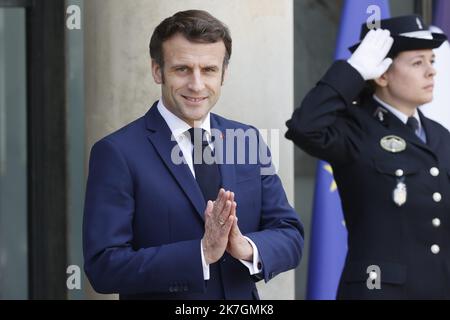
206	171
413	124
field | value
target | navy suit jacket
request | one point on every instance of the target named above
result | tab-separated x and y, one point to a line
143	219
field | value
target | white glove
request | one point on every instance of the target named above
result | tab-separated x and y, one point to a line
369	59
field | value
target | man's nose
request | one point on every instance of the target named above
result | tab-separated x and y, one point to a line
196	82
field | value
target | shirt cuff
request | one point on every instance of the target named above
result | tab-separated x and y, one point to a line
255	266
204	264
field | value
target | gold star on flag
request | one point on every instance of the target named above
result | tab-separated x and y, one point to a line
333	185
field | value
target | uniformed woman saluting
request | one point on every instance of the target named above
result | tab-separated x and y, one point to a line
390	162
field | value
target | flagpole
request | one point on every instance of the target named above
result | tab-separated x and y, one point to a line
425	9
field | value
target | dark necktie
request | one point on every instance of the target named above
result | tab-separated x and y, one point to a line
206	170
413	124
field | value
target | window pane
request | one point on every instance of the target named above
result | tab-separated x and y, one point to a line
13	156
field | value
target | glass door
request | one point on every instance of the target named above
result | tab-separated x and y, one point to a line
13	155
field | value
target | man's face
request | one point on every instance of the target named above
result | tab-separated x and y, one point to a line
191	77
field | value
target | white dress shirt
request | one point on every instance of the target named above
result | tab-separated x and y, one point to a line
178	128
404	118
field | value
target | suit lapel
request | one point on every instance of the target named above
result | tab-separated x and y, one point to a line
227	171
161	138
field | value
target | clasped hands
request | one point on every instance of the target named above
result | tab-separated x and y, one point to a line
222	232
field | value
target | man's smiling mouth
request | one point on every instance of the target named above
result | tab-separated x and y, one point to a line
194	99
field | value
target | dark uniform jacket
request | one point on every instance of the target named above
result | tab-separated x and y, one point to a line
410	243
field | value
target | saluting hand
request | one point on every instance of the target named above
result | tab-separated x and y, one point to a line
369	59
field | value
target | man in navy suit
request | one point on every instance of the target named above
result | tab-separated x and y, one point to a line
163	221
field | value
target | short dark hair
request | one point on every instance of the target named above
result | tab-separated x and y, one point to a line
196	26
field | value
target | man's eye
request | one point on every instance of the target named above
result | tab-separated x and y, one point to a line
181	69
432	62
417	63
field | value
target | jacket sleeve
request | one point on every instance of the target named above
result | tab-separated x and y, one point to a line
111	263
323	125
281	235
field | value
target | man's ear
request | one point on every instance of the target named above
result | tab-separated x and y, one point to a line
224	73
157	72
383	80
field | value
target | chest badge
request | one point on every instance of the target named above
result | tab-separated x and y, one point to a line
393	144
399	194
